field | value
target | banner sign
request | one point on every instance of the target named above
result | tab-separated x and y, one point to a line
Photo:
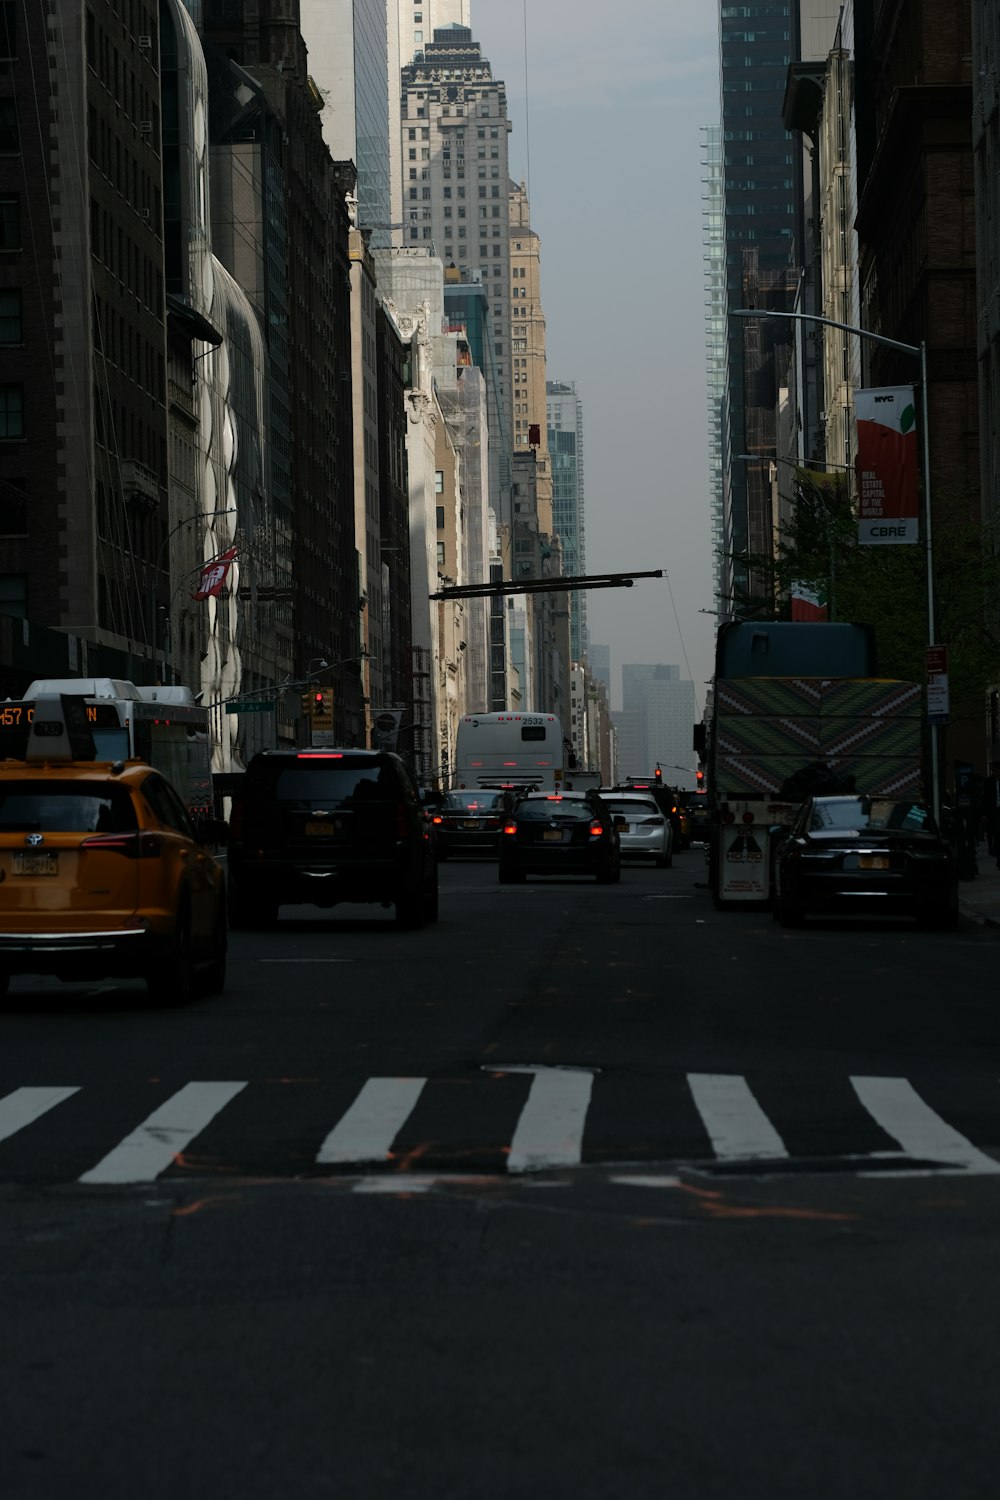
938	704
888	507
213	575
809	601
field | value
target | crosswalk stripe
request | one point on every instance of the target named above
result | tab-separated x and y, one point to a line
25	1105
550	1128
156	1143
895	1105
366	1132
737	1126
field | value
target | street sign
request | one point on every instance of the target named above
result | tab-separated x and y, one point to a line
322	739
938	704
251	706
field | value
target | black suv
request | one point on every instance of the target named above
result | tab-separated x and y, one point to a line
322	826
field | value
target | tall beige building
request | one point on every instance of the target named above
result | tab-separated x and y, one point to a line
410	25
527	342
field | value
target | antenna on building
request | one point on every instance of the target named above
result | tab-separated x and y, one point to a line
527	111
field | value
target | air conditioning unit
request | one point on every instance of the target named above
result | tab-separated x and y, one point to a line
145	127
145	44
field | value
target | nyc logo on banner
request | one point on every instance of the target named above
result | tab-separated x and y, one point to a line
888	504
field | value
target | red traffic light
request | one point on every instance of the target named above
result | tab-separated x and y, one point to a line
699	777
318	699
658	774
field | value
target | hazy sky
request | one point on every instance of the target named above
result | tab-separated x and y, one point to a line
616	95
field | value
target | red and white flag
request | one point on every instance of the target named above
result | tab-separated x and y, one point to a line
809	601
214	574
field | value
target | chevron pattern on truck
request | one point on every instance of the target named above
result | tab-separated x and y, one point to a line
767	728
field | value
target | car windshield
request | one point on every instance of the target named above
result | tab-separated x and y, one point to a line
331	786
65	807
857	813
473	801
544	809
630	806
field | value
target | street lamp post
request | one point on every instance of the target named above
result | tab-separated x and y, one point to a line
919	351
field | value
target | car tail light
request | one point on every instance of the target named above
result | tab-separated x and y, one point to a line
510	828
132	845
437	820
652	822
596	829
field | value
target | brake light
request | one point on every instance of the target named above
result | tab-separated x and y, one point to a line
316	755
596	829
437	819
510	828
132	845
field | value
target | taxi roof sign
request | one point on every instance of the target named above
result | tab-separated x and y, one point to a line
59	730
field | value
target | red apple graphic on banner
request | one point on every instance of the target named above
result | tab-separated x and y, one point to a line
887	466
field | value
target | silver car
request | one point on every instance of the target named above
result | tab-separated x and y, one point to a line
648	833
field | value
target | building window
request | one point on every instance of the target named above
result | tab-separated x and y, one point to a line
13	508
440	554
14	595
439	482
8	29
11	412
10	139
440	517
10	221
11	327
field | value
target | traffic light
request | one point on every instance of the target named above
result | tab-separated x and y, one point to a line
307	705
657	774
699	777
322	708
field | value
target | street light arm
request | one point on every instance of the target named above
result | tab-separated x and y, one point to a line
876	338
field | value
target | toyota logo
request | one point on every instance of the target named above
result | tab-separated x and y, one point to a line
34	839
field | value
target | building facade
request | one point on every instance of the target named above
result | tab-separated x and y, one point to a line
564	419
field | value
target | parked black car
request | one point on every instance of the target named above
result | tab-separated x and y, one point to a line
470	822
880	856
553	833
324	826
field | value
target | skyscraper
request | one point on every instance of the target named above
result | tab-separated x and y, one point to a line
665	705
757	157
348	62
564	417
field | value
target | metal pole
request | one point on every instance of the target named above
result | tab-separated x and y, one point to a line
929	539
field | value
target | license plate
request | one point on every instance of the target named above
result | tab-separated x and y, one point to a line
323	828
36	864
552	835
471	823
873	861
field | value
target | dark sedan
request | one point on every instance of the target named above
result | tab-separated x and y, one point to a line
560	834
877	855
470	822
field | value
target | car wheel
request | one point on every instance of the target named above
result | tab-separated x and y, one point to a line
431	903
170	981
213	977
411	909
511	877
442	855
664	861
610	875
937	918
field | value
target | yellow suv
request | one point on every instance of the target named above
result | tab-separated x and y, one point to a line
102	871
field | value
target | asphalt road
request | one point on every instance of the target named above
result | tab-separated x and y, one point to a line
583	1191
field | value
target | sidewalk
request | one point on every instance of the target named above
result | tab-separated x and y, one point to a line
979	899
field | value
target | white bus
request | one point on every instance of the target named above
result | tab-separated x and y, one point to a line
509	750
161	725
